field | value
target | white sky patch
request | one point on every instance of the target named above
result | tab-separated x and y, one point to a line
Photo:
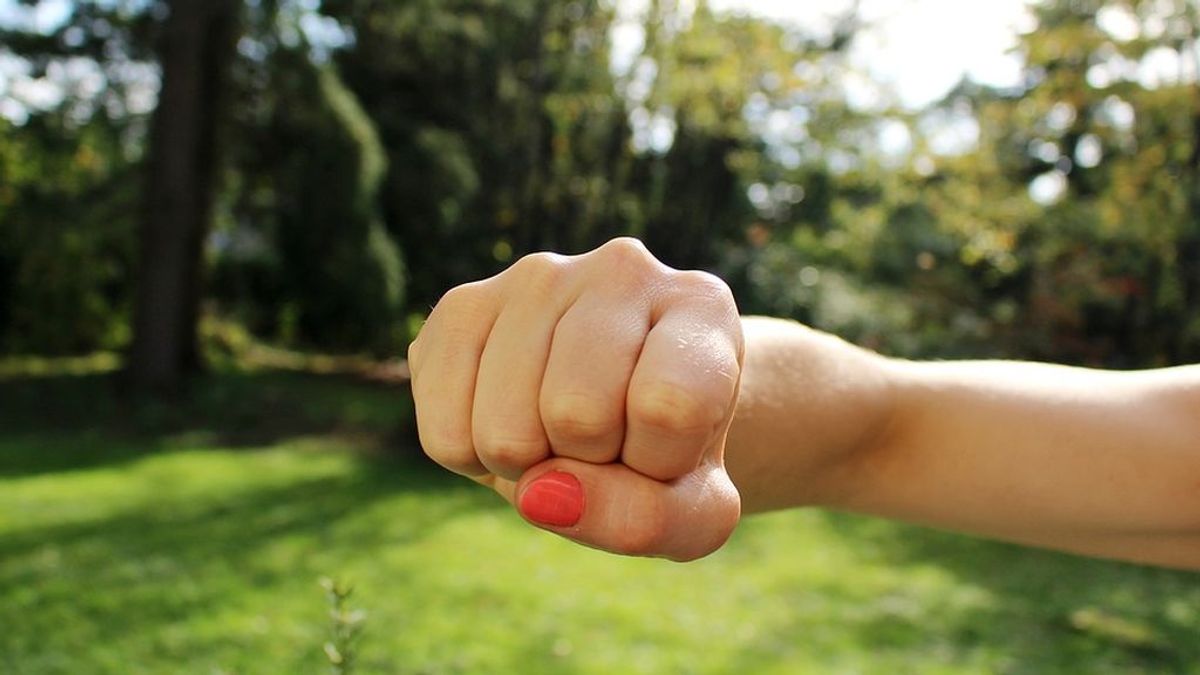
918	48
911	52
1162	66
628	37
42	17
1048	188
1089	152
895	138
954	135
1120	23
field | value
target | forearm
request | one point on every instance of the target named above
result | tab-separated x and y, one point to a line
1094	462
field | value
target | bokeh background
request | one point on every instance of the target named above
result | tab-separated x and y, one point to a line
221	222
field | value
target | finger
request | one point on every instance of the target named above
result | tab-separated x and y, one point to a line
504	487
506	426
681	394
444	362
582	402
616	509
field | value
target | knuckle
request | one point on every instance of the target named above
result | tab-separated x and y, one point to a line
456	320
461	301
671	408
414	355
464	465
666	466
456	297
458	457
696	282
630	258
540	270
628	248
539	260
579	417
511	452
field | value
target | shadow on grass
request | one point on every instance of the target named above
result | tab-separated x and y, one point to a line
115	579
1044	608
233	526
146	581
64	422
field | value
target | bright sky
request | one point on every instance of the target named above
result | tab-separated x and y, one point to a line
921	48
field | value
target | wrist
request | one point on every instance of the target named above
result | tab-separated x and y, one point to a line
813	413
875	414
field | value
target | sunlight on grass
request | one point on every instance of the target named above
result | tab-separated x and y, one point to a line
172	552
100	362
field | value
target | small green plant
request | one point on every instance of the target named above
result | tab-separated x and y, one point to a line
345	626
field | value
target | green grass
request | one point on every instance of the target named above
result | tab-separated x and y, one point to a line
191	538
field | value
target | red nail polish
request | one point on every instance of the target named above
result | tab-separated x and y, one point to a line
555	499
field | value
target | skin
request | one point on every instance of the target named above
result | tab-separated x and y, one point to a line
644	384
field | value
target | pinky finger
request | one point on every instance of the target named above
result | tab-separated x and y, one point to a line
444	372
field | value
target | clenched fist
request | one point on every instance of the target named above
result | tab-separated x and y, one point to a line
594	392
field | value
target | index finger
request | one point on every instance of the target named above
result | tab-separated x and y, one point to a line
682	392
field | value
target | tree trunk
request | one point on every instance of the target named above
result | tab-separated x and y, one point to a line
198	46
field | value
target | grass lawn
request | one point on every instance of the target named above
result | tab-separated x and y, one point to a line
191	538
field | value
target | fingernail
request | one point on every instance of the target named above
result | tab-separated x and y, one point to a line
555	499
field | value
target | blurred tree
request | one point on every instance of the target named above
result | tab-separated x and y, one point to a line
504	130
341	271
1109	143
69	182
1065	231
301	251
441	139
67	248
741	116
198	45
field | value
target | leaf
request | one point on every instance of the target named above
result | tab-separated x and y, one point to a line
1115	629
335	656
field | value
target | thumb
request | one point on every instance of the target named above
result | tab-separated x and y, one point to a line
616	509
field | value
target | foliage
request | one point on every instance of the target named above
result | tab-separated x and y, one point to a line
346	627
70	186
1065	232
67	246
319	243
1107	268
438	141
503	127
